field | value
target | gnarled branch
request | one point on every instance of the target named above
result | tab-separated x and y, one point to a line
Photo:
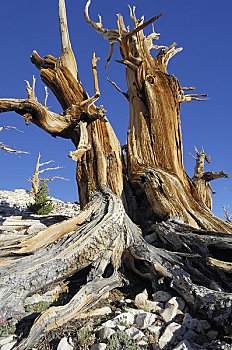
36	179
7	148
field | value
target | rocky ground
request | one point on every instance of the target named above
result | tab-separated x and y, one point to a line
127	318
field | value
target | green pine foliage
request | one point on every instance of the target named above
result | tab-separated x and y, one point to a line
42	205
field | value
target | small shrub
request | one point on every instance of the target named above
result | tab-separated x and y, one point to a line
121	340
38	307
8	326
85	338
42	205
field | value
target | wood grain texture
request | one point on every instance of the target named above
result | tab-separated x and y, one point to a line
123	191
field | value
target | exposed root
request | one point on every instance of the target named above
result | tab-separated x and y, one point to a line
104	235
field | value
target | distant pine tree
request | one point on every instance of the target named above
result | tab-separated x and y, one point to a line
42	205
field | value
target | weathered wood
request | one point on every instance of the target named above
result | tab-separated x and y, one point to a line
154	146
86	298
57	253
148	182
35	181
6	148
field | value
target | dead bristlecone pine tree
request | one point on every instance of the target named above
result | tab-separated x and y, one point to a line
36	179
123	191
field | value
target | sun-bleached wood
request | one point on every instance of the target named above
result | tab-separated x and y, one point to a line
36	179
7	148
123	191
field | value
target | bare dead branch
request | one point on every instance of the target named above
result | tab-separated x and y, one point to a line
110	55
166	54
121	26
199	168
49	169
46	96
83	145
211	175
31	90
33	110
191	97
192	156
53	178
10	150
142	26
210	187
128	64
6	127
227	215
109	35
36	179
45	163
7	148
94	69
67	58
117	88
188	88
49	61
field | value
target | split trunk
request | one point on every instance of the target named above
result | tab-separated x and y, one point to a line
123	192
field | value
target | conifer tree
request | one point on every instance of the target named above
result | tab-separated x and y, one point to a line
42	205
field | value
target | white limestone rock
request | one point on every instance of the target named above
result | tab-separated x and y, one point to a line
142	302
5	340
128	301
110	323
105	333
183	345
9	346
145	319
134	312
142	344
170	335
135	333
15	203
170	311
35	228
65	344
48	296
126	318
156	329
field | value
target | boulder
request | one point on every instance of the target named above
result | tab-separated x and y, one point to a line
145	319
105	333
161	296
65	344
135	333
5	340
142	302
170	335
99	346
35	228
183	345
126	318
9	346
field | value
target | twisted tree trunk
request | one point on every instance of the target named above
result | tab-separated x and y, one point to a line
118	192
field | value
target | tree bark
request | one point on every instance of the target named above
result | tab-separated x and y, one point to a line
118	192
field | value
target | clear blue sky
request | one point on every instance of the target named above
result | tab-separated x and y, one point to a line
202	27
